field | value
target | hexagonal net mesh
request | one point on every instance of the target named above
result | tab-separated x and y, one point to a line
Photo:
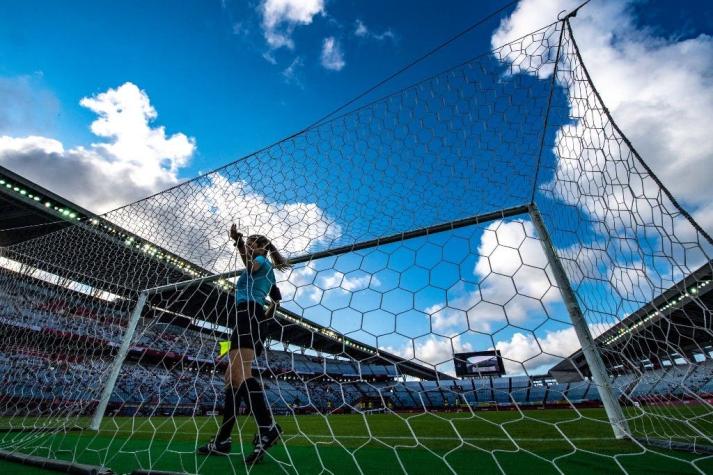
482	270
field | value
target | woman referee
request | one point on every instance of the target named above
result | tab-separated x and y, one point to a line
255	284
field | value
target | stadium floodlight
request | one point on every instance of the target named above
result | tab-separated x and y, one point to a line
492	209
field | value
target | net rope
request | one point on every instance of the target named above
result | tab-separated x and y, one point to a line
408	223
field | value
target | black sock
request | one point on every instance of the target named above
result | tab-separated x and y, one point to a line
243	396
258	404
232	404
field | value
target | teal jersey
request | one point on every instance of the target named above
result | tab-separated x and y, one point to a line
255	286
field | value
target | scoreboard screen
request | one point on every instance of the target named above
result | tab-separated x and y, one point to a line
479	363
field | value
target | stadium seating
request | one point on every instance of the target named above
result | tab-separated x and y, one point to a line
186	372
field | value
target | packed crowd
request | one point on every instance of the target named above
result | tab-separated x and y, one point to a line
187	375
34	307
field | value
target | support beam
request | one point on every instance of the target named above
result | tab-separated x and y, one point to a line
118	362
589	348
439	228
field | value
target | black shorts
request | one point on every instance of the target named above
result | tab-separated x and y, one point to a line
246	327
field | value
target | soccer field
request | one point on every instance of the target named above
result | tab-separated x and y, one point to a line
492	254
487	442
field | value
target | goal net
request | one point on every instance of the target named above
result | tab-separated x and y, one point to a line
483	271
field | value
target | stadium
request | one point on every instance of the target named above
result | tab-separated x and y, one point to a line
495	206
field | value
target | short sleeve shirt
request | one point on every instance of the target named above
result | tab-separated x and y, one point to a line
255	286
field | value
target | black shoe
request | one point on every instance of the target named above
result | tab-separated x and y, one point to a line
263	443
216	448
256	437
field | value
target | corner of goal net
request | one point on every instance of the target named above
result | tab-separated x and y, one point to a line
54	464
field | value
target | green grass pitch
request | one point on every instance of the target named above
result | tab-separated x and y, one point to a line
482	442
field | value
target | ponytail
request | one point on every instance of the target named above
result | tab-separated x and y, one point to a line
278	260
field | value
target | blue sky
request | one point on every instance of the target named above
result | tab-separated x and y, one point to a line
107	104
202	64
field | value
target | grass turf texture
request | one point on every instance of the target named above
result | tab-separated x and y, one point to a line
482	442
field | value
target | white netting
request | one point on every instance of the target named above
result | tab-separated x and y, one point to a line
409	225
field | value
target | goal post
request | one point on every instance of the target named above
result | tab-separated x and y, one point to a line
589	347
135	316
118	361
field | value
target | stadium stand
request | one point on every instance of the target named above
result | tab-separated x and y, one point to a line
185	372
177	355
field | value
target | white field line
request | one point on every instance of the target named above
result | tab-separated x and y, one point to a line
395	437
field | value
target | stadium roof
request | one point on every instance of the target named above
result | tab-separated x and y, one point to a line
676	323
31	212
28	210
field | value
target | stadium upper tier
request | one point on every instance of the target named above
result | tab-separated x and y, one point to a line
33	311
114	255
30	211
674	325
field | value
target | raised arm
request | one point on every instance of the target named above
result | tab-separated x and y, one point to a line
237	236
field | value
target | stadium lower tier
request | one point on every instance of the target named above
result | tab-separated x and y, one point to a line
36	383
176	370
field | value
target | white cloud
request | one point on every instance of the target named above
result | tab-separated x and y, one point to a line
280	17
508	245
23	145
537	352
306	286
269	57
469	312
432	350
134	160
332	57
296	278
514	284
361	30
514	274
658	89
305	296
704	217
352	282
137	159
240	29
632	281
290	72
124	117
179	222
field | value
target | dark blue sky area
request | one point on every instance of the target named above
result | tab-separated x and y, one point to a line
203	68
